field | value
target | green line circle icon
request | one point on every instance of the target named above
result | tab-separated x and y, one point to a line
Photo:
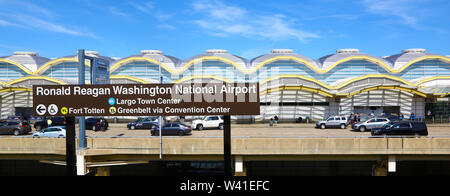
112	110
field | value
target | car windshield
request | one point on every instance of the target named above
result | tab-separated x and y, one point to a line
387	125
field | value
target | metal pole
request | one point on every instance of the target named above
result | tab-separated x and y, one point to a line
71	163
160	118
81	81
227	146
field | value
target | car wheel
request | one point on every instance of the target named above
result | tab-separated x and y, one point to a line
342	126
35	136
16	132
180	133
200	127
362	129
417	135
132	127
94	128
322	126
61	136
221	126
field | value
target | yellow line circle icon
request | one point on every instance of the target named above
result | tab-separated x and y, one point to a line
64	110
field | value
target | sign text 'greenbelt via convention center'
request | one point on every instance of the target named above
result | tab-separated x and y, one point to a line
146	99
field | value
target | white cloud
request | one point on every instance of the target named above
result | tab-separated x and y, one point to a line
226	20
38	23
118	12
150	9
6	23
144	7
405	10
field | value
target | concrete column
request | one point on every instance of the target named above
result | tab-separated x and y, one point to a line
239	168
103	171
81	163
392	165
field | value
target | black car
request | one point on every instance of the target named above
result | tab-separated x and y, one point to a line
143	123
172	129
56	121
403	128
14	128
97	124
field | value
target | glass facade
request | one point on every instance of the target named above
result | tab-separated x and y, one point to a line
11	72
66	70
288	103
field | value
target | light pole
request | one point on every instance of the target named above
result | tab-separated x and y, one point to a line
160	117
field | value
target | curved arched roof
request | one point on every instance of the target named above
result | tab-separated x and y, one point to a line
260	61
331	61
403	60
167	62
36	65
239	62
28	62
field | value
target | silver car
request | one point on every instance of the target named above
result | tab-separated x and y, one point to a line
333	122
51	132
370	124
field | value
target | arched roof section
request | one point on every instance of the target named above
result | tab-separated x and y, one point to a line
29	62
342	83
36	78
283	55
203	77
301	88
214	55
58	61
401	88
331	61
153	56
412	56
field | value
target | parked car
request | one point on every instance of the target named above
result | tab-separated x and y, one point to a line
56	121
95	124
402	128
143	123
51	132
14	128
333	122
370	124
208	122
172	129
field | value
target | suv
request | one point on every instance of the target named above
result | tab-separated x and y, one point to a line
403	128
95	124
370	124
14	128
333	122
208	122
56	121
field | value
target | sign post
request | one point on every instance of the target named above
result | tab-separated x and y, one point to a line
228	161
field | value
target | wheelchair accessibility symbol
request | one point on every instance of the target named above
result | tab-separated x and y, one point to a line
52	109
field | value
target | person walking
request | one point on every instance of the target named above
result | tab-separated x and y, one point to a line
271	122
275	120
49	122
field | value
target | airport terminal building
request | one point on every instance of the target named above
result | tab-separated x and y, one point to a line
292	86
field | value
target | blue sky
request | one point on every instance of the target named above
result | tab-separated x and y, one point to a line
248	28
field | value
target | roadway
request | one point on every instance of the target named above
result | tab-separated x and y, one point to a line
259	131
